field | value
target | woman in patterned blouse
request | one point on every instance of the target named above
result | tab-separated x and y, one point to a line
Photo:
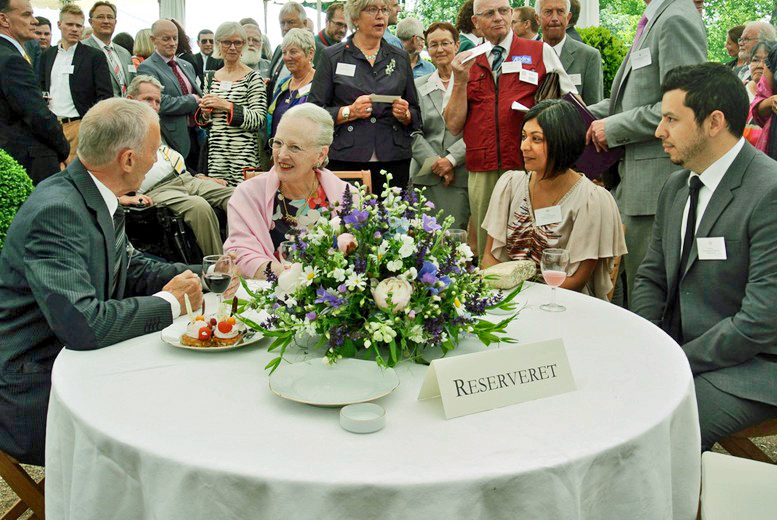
235	104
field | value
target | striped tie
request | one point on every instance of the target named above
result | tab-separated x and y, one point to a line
174	158
119	245
117	70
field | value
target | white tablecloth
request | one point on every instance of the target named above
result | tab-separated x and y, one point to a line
145	430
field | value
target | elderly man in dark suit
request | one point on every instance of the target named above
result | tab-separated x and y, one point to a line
709	277
29	132
75	76
68	276
181	95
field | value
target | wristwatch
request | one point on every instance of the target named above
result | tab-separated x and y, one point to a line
347	113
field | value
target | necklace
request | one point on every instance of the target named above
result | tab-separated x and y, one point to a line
371	57
287	217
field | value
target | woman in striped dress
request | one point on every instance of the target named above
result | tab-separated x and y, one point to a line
236	104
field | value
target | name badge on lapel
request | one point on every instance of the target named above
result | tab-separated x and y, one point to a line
509	67
549	215
131	69
640	58
346	69
711	248
529	76
576	79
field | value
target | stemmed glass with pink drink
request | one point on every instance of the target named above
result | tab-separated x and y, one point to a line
554	270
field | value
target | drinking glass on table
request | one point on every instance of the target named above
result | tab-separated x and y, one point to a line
217	273
554	270
285	253
459	236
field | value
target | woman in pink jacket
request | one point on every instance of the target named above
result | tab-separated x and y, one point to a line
264	209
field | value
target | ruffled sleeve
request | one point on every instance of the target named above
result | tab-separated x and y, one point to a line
597	234
499	208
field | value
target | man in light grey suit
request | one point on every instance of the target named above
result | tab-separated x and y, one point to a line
582	62
709	277
672	34
102	19
68	276
446	181
180	96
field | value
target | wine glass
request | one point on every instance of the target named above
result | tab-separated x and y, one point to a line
458	236
217	273
285	253
554	270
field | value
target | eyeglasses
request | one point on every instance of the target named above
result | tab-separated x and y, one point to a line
340	25
231	43
294	149
445	43
491	13
204	40
743	40
423	40
103	17
373	10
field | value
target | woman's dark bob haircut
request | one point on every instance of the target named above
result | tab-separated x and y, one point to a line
564	131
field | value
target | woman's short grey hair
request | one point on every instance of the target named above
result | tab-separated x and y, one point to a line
354	8
111	126
302	38
134	86
295	7
226	30
318	117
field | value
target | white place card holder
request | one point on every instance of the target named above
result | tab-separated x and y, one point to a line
498	377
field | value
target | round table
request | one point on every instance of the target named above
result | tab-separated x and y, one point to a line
145	430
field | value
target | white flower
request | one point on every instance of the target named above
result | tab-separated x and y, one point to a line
289	280
416	334
335	223
410	274
407	247
381	332
338	274
464	251
308	275
394	265
395	289
355	281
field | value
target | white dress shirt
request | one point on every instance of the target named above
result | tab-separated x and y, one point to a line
710	179
61	103
112	203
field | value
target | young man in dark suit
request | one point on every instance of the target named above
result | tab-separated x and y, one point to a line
68	276
75	76
29	132
709	277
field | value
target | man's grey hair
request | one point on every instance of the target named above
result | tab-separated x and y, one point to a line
254	27
111	126
134	87
302	38
318	117
409	27
766	31
295	7
538	6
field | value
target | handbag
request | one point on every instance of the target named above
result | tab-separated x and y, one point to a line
550	88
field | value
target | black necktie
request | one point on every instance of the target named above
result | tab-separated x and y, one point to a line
119	245
676	326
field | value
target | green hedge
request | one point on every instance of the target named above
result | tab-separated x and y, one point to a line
611	47
15	187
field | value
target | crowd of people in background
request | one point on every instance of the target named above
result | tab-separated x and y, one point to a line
492	126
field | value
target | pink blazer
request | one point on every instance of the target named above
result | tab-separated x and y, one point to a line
250	217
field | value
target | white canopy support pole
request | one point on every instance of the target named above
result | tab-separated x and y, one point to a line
589	14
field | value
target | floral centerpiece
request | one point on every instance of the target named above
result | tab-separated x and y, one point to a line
379	278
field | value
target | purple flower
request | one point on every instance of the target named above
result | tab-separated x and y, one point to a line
377	235
311	315
342	288
357	218
429	204
428	273
328	297
430	224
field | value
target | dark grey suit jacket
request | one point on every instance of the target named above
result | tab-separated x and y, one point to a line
125	60
55	277
582	59
176	107
729	307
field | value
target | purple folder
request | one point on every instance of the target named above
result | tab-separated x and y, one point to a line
591	162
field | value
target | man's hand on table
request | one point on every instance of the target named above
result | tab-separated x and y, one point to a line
186	283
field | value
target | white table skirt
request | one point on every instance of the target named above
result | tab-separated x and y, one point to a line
145	430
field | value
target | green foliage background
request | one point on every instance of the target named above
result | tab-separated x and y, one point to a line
611	47
15	187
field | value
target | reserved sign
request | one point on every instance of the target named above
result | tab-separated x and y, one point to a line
499	377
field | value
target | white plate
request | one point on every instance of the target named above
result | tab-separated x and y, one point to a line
348	381
172	335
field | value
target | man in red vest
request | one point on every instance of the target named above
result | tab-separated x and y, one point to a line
481	101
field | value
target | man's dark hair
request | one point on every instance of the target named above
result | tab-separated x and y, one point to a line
564	131
42	20
709	87
529	14
4	5
204	31
125	40
332	9
464	18
574	8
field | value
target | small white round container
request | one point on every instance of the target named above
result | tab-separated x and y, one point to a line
362	417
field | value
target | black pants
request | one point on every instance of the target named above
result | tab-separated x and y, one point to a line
400	170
